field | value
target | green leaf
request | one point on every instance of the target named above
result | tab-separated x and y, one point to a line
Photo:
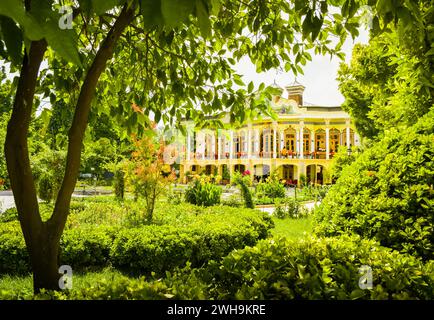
102	6
384	6
14	9
215	7
238	81
357	294
151	12
176	11
13	38
157	117
203	18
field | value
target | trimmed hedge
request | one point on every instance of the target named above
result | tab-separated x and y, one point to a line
315	268
159	249
188	233
13	252
87	247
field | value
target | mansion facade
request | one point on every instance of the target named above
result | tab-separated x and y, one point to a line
302	141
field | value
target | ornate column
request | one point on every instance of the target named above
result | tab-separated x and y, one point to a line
257	144
188	144
219	144
297	140
200	144
212	155
274	140
231	145
282	139
301	139
249	141
312	140
348	133
327	130
263	143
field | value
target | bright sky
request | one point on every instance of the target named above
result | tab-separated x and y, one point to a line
319	75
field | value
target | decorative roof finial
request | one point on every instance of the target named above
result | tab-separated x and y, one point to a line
275	83
296	83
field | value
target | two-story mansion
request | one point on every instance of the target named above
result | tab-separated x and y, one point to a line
301	141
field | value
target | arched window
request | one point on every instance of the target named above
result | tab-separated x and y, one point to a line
320	140
306	140
268	141
334	140
290	140
240	143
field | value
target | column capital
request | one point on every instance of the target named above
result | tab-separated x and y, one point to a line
327	122
301	123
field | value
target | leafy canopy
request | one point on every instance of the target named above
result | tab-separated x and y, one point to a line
175	60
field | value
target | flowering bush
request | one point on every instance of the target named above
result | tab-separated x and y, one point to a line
271	188
147	173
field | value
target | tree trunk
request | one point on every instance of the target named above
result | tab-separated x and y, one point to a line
16	150
43	238
44	260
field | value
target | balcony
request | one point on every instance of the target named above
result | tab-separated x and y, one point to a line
320	154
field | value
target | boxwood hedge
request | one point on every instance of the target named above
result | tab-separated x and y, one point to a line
187	233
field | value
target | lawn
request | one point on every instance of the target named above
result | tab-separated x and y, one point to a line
292	228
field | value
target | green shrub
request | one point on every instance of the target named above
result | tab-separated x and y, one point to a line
279	209
97	237
109	284
203	193
387	193
45	188
234	200
88	247
13	252
48	168
271	188
210	236
244	182
303	180
175	196
8	215
11	214
289	208
263	200
318	268
81	248
119	183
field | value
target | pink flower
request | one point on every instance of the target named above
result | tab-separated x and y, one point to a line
245	173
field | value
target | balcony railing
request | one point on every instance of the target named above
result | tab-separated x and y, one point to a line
261	155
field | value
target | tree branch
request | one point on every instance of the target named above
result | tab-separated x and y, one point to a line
79	123
16	147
